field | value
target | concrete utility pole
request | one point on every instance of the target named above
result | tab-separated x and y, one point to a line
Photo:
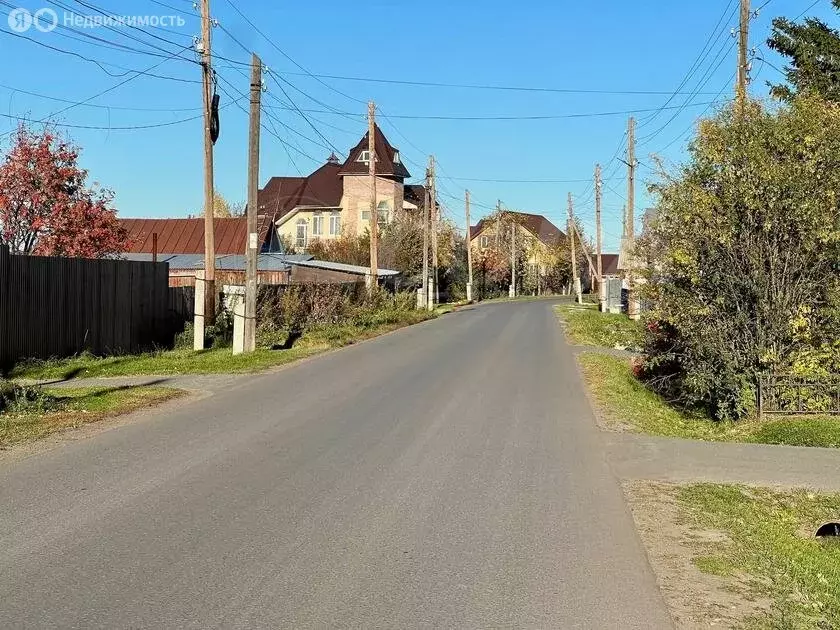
469	248
252	252
512	291
571	230
427	293
435	218
743	62
209	238
600	270
374	214
632	304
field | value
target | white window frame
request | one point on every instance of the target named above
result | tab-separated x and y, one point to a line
396	157
301	223
366	214
317	224
383	210
484	241
335	224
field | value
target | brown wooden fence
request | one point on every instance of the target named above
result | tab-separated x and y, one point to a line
58	307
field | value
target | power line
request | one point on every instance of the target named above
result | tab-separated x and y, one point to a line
478	86
114	107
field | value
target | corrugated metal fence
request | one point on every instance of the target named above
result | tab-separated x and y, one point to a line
58	307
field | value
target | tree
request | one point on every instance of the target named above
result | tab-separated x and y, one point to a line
745	256
813	49
45	206
223	209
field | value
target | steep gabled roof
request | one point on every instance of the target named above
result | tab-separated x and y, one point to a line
322	189
536	224
385	164
416	194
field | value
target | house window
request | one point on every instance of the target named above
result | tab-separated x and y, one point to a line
484	241
396	157
364	156
365	215
335	224
317	224
301	234
383	208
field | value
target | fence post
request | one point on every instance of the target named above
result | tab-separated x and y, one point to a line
4	306
198	319
760	397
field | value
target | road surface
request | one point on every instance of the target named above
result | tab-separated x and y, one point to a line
449	475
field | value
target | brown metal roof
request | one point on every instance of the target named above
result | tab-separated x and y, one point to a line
385	165
609	264
322	189
186	236
536	224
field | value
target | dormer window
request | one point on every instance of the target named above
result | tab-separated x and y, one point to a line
396	157
364	157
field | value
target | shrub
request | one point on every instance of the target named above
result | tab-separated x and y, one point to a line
17	398
744	255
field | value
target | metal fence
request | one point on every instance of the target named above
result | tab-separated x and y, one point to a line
58	307
787	394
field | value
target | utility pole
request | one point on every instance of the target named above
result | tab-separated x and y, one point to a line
434	210
209	238
632	305
571	231
469	248
600	270
743	62
251	253
374	214
512	292
427	294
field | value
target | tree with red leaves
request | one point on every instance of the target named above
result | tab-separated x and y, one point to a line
45	207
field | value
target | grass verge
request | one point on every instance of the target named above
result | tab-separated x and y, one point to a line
625	403
217	360
586	326
70	408
767	550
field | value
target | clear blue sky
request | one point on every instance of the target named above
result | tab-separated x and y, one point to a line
611	45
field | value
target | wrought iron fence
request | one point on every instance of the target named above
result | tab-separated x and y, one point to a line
788	394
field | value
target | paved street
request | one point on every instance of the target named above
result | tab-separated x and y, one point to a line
448	475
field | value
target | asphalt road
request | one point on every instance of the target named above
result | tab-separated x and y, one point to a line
449	475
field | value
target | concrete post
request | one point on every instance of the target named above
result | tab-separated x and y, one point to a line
469	292
238	325
421	303
430	298
578	292
198	319
511	291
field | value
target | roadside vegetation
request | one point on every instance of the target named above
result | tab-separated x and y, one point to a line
292	324
626	403
31	413
586	326
762	547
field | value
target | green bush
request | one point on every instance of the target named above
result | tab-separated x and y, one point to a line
18	398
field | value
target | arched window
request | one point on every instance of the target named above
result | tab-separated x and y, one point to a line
383	209
302	228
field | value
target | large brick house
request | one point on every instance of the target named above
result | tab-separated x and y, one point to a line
334	200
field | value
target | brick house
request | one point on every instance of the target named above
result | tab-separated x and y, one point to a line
334	200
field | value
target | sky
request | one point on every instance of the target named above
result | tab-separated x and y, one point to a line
143	137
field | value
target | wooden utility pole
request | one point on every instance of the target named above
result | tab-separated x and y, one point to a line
632	305
252	252
435	218
512	292
571	230
374	214
600	269
427	302
209	238
743	62
469	248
